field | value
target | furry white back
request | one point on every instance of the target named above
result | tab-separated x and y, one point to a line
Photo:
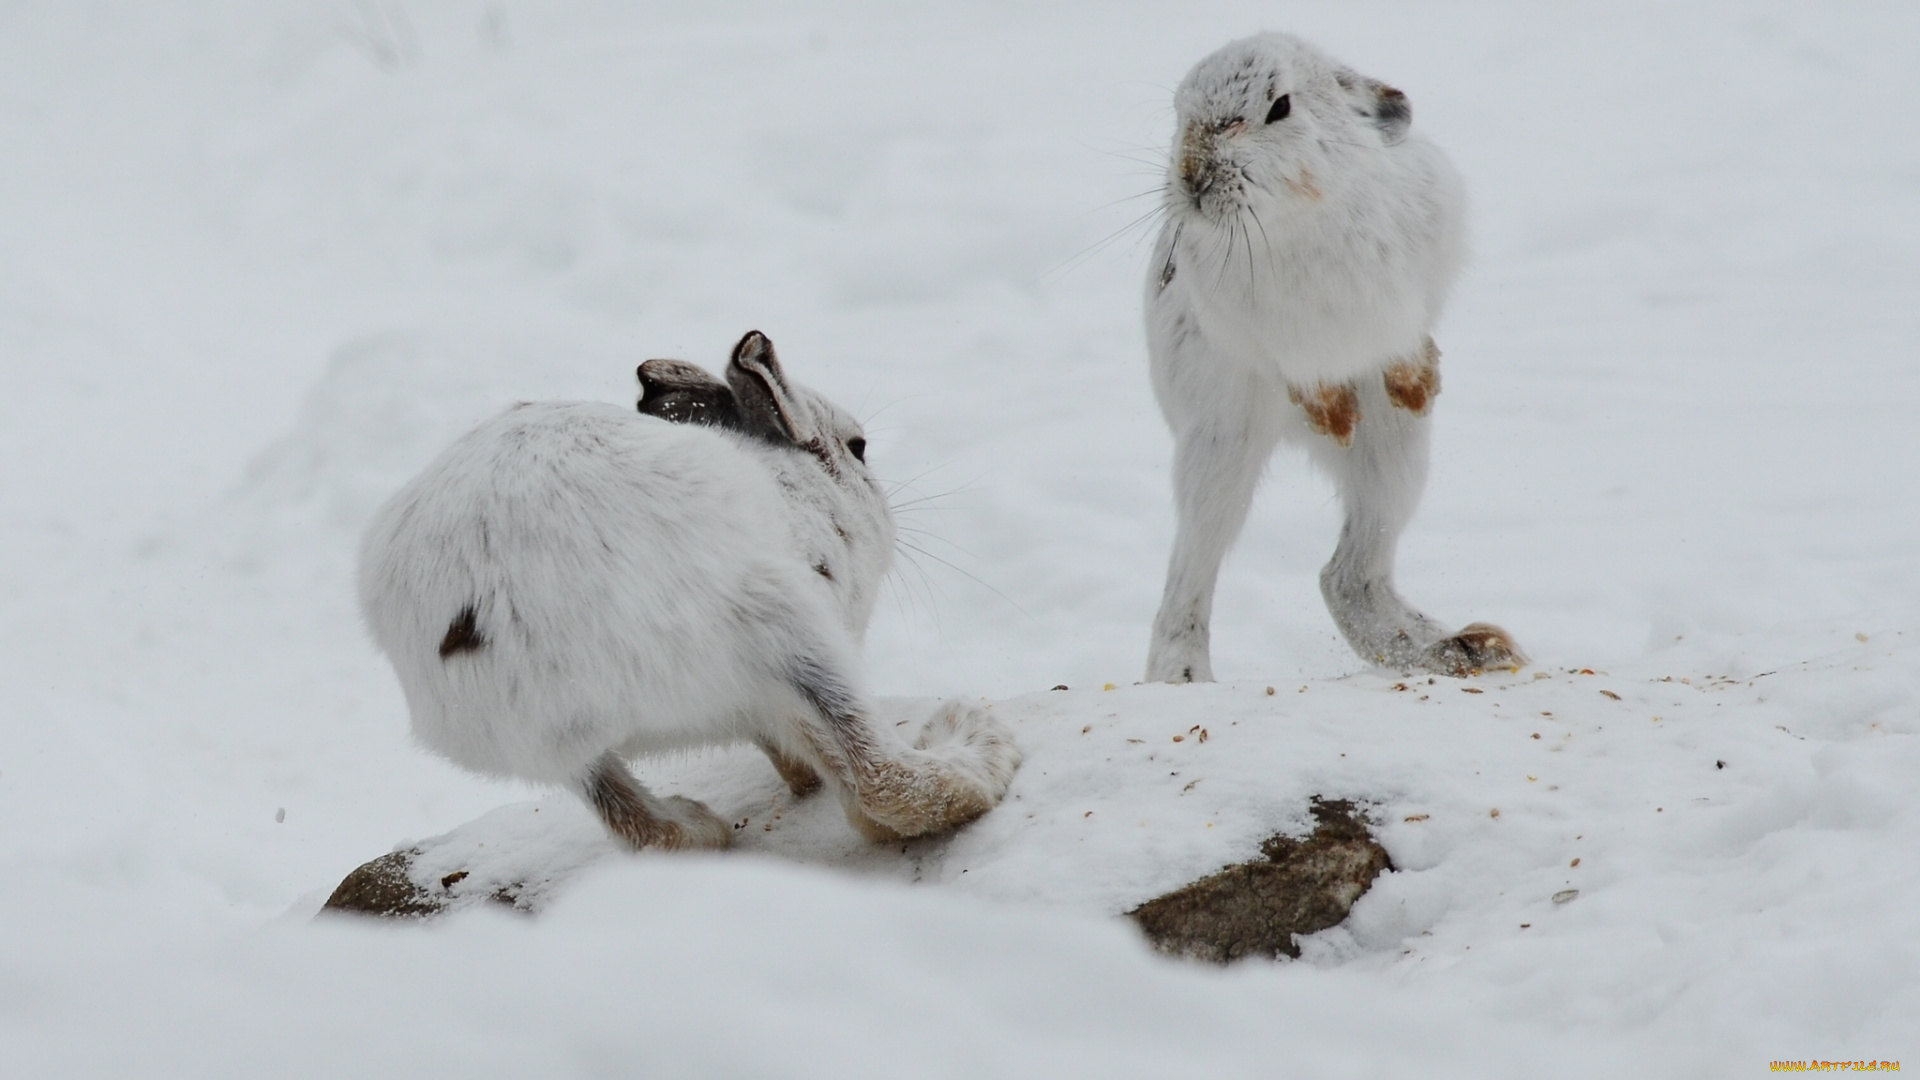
635	581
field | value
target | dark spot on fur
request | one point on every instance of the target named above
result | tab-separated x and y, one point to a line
823	570
463	634
1412	384
1166	272
1333	411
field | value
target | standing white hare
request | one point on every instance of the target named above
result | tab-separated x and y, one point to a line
1310	242
574	584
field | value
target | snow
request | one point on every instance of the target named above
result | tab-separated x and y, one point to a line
262	260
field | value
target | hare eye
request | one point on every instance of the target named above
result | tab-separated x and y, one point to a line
1282	106
858	447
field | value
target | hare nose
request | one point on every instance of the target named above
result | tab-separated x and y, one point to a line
1195	176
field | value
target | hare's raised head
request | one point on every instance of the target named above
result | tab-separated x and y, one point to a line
1258	118
841	516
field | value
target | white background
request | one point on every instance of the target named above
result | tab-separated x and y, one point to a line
259	261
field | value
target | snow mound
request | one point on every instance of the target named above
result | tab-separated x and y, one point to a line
1728	810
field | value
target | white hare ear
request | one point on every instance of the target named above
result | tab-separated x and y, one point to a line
1391	111
1386	106
767	404
685	394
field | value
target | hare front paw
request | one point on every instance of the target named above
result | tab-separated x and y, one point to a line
1476	648
800	777
1179	653
689	826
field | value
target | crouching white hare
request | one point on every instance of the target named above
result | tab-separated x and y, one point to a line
575	584
1310	241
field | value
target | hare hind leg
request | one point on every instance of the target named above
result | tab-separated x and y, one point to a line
1380	477
644	820
958	768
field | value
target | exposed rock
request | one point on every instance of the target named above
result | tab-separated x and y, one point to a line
382	887
386	888
1255	908
520	855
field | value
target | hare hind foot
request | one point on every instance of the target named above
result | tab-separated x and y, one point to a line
1476	648
645	821
958	769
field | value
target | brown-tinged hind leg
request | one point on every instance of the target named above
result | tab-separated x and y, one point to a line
1380	474
958	768
644	820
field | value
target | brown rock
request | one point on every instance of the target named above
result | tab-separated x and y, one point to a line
385	888
1255	908
382	887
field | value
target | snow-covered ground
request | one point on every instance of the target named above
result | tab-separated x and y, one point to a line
258	261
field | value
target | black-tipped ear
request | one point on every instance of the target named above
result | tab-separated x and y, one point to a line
766	404
686	394
1393	113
